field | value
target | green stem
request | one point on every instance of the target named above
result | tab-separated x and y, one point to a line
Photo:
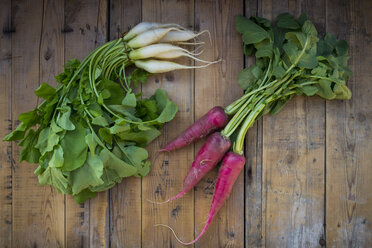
248	122
239	117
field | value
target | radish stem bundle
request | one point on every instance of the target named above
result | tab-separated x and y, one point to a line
290	60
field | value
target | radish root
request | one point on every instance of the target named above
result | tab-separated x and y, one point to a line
174	233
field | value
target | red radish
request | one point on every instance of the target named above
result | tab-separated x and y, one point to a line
208	156
211	121
229	171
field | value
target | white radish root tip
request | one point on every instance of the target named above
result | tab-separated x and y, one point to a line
190	43
158	203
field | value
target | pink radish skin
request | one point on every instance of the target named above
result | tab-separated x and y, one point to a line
229	171
211	121
208	156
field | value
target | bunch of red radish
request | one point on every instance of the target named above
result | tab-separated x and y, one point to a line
213	151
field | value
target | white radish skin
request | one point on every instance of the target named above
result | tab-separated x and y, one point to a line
180	35
160	66
149	37
177	54
152	50
171	55
140	28
145	26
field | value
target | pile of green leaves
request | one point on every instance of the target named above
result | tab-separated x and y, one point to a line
290	60
90	131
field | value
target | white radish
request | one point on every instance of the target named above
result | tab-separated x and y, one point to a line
174	54
160	66
149	37
179	53
152	50
145	26
180	35
140	28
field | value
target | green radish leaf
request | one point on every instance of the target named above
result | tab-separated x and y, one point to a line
249	76
45	91
252	33
29	153
309	90
278	71
138	76
264	49
84	195
100	121
109	177
87	175
342	92
91	142
325	90
142	138
57	157
138	157
119	128
47	140
116	92
75	148
129	100
95	109
64	120
287	21
125	111
53	176
166	109
105	134
30	118
112	162
147	109
17	133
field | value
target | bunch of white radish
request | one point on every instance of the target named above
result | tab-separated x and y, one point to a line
100	128
151	45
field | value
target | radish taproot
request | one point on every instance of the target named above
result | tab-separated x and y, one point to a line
145	26
207	158
214	119
160	66
231	166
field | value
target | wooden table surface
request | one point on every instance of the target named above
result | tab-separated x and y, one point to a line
307	181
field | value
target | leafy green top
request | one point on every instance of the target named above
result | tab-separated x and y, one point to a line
90	131
290	60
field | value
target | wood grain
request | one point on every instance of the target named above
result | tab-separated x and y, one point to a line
32	204
99	212
5	125
253	169
308	171
86	28
349	143
293	159
216	85
169	169
126	197
51	60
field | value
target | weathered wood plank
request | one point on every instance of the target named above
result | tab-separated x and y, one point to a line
126	197
348	133
86	28
168	170
51	59
293	158
253	170
216	85
5	125
99	212
35	209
